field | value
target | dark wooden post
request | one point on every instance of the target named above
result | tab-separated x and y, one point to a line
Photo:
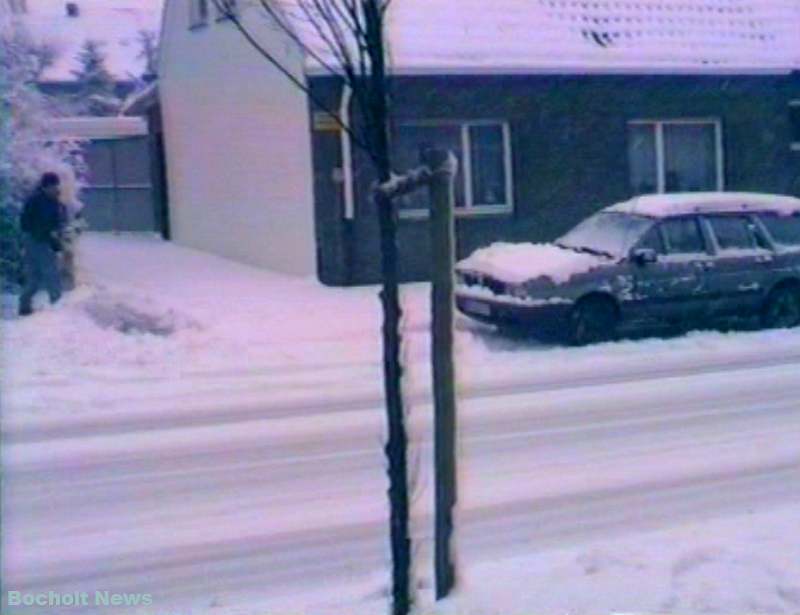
443	166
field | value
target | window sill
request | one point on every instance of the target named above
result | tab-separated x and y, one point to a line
472	212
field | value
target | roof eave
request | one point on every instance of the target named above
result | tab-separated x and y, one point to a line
313	70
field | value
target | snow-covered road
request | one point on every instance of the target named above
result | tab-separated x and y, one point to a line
640	476
237	514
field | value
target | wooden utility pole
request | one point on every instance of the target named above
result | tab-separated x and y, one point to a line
444	167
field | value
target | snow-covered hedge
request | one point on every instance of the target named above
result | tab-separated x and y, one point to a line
28	150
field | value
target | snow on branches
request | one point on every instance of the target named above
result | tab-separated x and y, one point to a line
28	147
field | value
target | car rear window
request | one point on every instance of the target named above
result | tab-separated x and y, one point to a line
785	230
733	232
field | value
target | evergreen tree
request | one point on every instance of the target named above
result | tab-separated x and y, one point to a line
96	87
148	43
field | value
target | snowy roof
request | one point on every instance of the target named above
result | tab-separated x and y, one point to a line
577	36
662	205
98	127
116	23
138	102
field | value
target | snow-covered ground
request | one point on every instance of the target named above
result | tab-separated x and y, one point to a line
210	434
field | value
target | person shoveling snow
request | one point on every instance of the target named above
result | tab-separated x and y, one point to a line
41	222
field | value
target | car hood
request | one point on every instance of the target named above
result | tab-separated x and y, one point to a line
515	263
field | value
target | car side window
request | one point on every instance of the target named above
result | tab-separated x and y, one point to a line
785	230
734	232
682	236
651	241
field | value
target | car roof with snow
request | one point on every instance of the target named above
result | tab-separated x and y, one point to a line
681	204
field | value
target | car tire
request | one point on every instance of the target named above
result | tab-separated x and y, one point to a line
592	320
782	307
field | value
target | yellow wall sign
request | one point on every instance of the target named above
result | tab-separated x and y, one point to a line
324	121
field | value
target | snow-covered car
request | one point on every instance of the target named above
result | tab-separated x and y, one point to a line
679	259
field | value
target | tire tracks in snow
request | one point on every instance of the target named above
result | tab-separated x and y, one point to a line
217	412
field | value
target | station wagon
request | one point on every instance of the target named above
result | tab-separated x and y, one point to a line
677	259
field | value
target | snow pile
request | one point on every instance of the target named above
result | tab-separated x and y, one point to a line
709	566
519	262
123	315
146	302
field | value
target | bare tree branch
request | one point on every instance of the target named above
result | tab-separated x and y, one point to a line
321	22
352	34
319	26
294	80
290	32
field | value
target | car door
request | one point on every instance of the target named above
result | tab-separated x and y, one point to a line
673	287
737	280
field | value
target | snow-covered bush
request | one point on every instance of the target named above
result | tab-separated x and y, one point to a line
28	148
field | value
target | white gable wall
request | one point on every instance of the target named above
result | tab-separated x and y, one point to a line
237	143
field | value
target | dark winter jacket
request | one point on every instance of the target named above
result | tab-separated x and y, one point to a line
41	217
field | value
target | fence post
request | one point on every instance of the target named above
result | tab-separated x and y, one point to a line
443	166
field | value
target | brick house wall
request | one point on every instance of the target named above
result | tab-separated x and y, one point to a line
569	153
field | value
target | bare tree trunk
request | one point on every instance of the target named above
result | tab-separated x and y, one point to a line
397	444
352	31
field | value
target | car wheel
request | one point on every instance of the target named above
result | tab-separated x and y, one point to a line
592	320
782	309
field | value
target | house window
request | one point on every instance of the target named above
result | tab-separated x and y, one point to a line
794	119
483	183
675	156
198	13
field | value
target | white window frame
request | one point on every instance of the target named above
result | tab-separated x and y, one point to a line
658	125
794	145
198	15
470	208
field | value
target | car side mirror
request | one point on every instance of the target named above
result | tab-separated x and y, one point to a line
644	256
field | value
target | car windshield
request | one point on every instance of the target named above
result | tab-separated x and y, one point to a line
606	233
